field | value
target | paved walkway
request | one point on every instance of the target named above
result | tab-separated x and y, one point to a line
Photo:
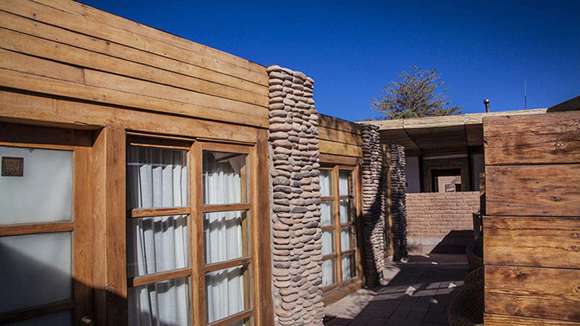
417	295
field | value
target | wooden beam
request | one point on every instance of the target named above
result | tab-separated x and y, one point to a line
532	292
36	108
533	139
108	183
88	25
333	148
502	320
534	190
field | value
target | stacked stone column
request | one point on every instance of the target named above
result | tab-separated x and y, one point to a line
297	246
397	182
373	189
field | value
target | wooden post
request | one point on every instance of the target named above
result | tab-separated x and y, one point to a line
110	272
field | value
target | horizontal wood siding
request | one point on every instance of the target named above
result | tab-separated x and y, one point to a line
67	49
532	231
339	137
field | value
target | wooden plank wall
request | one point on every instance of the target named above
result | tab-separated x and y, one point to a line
532	231
66	49
339	137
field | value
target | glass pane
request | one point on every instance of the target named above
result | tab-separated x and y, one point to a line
156	177
345	242
157	244
63	318
46	181
327	272
344	183
326	213
345	211
348	268
327	243
325	183
225	292
34	270
224	178
162	303
224	236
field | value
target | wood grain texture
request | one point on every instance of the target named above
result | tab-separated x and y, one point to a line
118	30
328	147
58	111
534	190
340	136
532	241
533	292
533	139
502	320
330	122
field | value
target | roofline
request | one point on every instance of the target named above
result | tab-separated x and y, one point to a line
446	121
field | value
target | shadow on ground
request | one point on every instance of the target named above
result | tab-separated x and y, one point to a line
418	294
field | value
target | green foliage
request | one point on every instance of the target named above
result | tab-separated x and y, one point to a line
416	94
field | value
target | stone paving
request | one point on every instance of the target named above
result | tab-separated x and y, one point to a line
417	295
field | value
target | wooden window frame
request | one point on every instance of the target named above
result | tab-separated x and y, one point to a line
336	226
50	138
198	268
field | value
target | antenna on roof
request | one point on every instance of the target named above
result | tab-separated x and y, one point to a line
486	103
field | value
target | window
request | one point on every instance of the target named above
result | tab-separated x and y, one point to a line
189	244
339	249
40	224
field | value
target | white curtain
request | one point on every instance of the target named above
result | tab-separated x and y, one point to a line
157	178
344	211
223	234
345	240
327	273
347	268
343	182
325	213
325	185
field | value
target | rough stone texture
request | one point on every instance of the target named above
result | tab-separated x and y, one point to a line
295	170
373	190
440	219
397	179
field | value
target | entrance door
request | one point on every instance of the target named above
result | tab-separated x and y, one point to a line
44	239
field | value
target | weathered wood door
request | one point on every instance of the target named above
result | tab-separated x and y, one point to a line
45	240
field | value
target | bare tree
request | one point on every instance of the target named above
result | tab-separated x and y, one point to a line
416	94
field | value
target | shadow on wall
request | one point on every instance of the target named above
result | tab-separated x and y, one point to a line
31	281
455	242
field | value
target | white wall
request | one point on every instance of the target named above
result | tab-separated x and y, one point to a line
413	176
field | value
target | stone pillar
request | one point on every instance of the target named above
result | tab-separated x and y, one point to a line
397	174
373	188
297	244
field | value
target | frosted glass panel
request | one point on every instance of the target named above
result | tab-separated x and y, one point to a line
326	213
43	193
344	183
345	211
325	183
225	293
345	240
327	272
223	175
163	303
223	236
34	269
327	243
348	270
61	319
157	244
156	177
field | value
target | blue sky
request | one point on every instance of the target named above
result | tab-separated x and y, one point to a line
353	49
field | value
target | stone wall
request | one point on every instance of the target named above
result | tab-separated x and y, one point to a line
440	221
397	221
296	252
373	190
